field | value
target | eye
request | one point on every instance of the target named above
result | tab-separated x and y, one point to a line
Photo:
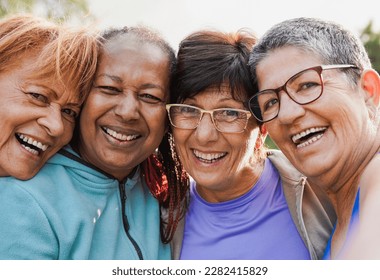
307	85
230	113
110	90
148	98
187	110
269	104
70	113
39	97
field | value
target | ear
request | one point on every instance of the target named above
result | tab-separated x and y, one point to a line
261	137
370	81
263	130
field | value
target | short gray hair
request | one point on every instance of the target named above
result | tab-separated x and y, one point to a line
330	41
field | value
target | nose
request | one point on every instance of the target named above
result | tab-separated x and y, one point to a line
289	110
127	107
206	131
52	120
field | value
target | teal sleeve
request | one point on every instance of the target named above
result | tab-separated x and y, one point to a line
25	231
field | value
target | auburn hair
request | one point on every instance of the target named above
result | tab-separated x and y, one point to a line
69	54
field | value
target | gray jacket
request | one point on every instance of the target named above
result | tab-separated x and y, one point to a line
310	208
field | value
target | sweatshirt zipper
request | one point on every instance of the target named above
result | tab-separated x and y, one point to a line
123	195
125	220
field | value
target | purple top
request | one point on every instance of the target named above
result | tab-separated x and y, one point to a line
257	225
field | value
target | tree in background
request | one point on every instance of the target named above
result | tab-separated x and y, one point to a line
58	10
371	40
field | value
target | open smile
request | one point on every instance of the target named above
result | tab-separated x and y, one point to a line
208	157
308	136
30	144
120	136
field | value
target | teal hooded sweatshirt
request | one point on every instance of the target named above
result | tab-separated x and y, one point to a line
71	210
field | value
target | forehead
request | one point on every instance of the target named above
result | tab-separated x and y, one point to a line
282	63
214	94
130	59
27	75
129	45
221	91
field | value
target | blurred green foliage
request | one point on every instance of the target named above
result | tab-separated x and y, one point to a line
269	143
57	10
371	41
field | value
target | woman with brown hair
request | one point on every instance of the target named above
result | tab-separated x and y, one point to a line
243	203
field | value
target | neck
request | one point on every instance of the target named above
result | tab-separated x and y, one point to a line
343	190
339	180
121	176
233	188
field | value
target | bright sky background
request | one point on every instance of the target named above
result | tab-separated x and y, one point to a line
175	19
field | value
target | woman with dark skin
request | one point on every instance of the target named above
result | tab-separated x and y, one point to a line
100	197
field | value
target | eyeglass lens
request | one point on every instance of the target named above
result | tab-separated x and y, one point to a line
225	120
303	88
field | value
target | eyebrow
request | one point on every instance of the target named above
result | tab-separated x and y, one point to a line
149	85
47	88
74	104
112	77
220	100
119	80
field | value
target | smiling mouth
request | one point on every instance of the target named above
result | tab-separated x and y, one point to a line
120	136
208	157
30	144
308	136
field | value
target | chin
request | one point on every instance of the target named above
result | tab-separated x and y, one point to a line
20	175
207	183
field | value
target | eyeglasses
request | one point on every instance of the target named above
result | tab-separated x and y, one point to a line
303	88
226	120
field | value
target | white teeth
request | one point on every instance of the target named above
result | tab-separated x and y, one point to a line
298	136
208	156
33	142
308	142
34	152
119	136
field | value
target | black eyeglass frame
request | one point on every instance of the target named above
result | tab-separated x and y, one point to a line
317	69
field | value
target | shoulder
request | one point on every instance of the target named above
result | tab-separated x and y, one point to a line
370	179
19	200
365	242
25	225
42	186
370	187
285	168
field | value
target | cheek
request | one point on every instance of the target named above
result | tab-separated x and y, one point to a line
69	129
244	147
274	130
87	125
94	107
180	136
156	121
